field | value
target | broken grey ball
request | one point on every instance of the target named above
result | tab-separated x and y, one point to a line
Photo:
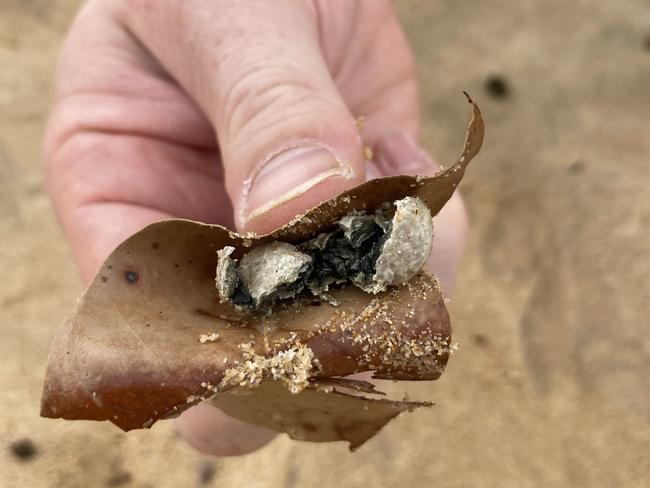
266	270
372	252
264	275
408	245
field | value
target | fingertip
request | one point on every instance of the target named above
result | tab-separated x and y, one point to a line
398	153
277	213
451	227
210	431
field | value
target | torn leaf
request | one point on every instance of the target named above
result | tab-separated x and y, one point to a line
129	353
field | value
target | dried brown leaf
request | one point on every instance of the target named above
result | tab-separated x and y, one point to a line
312	415
131	352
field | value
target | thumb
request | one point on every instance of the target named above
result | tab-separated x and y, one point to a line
287	138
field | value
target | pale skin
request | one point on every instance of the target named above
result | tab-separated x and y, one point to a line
241	113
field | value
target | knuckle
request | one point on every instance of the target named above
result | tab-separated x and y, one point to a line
264	96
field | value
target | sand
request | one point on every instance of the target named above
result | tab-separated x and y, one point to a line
551	384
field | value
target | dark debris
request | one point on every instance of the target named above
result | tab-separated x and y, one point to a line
206	472
577	167
119	478
497	87
23	449
339	256
481	340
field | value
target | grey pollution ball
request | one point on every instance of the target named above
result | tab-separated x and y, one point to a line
372	252
408	245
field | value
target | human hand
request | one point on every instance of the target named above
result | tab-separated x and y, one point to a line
229	112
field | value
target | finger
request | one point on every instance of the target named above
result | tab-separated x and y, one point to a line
287	138
398	153
384	94
125	148
211	431
105	187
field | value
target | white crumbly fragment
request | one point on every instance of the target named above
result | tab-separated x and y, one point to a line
270	266
292	366
351	222
408	246
212	337
226	276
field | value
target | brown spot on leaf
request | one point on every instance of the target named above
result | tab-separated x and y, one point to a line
131	277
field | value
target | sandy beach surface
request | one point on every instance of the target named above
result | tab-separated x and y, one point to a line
551	385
